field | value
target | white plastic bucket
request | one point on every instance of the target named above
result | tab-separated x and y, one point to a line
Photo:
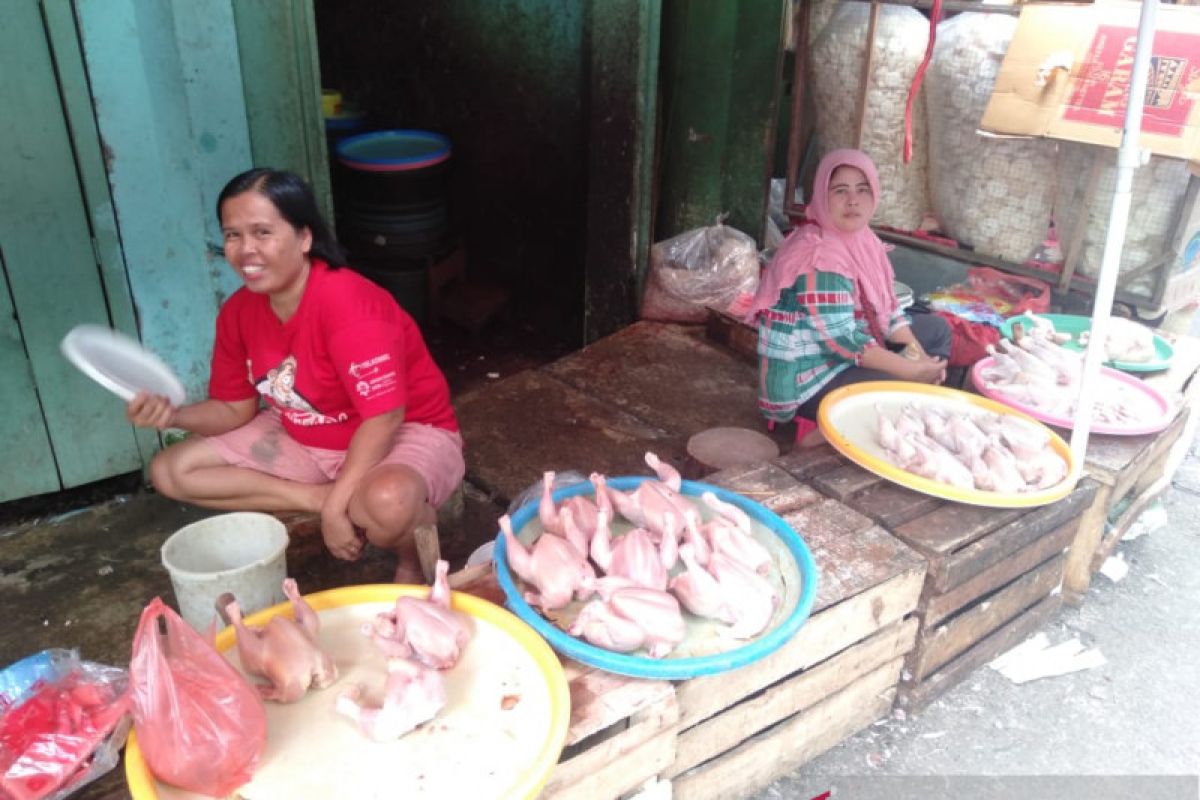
242	553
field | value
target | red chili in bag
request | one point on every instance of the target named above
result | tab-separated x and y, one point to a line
200	724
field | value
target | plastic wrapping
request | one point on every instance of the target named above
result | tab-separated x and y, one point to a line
989	295
993	194
1159	190
533	493
715	266
200	724
836	60
63	722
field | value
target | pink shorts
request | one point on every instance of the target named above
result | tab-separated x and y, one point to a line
262	444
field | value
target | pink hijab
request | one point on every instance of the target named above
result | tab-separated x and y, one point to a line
818	245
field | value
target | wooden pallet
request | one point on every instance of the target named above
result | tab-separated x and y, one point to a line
991	571
746	727
1132	472
838	674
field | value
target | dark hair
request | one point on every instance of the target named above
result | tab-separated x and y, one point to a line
294	199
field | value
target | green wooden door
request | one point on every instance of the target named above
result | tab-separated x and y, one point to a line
59	429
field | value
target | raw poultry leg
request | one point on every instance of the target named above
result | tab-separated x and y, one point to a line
665	472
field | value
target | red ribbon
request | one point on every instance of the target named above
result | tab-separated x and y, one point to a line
918	78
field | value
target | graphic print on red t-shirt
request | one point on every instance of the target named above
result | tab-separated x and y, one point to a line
278	386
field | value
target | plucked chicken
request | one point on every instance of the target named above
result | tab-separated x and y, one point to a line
630	618
554	567
285	651
425	629
412	694
634	555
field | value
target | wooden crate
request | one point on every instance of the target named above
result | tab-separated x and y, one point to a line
716	735
993	573
1132	471
742	729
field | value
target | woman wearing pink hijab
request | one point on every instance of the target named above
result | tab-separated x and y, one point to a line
826	307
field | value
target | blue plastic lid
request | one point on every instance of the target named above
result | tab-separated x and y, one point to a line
393	150
346	122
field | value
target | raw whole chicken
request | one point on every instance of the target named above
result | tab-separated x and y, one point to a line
427	630
699	591
413	694
730	533
653	503
751	599
285	651
634	555
632	617
582	512
553	566
984	451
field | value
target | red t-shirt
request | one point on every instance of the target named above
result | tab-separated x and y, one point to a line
348	353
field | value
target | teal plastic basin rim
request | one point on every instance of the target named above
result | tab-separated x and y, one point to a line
665	668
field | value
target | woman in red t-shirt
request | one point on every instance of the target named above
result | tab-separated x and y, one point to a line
322	394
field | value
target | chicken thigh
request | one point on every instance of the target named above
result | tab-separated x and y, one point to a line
285	651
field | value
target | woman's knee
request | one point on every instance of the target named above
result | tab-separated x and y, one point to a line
393	501
164	474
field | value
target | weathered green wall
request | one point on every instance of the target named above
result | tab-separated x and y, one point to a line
721	68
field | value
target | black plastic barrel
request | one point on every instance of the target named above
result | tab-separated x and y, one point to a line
393	214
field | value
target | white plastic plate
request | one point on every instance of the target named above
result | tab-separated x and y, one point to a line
120	364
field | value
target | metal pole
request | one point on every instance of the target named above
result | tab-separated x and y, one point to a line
1129	158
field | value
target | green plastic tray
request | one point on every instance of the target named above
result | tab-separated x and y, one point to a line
1075	325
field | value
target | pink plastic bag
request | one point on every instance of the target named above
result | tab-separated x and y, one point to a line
200	724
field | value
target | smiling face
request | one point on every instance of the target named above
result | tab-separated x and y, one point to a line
851	202
269	254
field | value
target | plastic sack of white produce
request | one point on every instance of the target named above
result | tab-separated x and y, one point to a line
716	266
836	60
1159	190
993	194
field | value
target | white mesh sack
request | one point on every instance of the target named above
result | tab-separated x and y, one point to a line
993	194
818	17
1159	189
836	59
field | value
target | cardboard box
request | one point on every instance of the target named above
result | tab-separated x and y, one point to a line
1085	99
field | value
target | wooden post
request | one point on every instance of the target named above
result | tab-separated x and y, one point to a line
868	62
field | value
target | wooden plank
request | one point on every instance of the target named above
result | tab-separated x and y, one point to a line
770	485
1112	459
845	482
978	556
1146	459
509	454
793	742
851	554
954	525
1077	575
53	280
942	642
734	334
803	464
281	79
936	607
916	696
621	762
601	699
165	168
93	180
738	723
892	506
667	375
1112	534
828	632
